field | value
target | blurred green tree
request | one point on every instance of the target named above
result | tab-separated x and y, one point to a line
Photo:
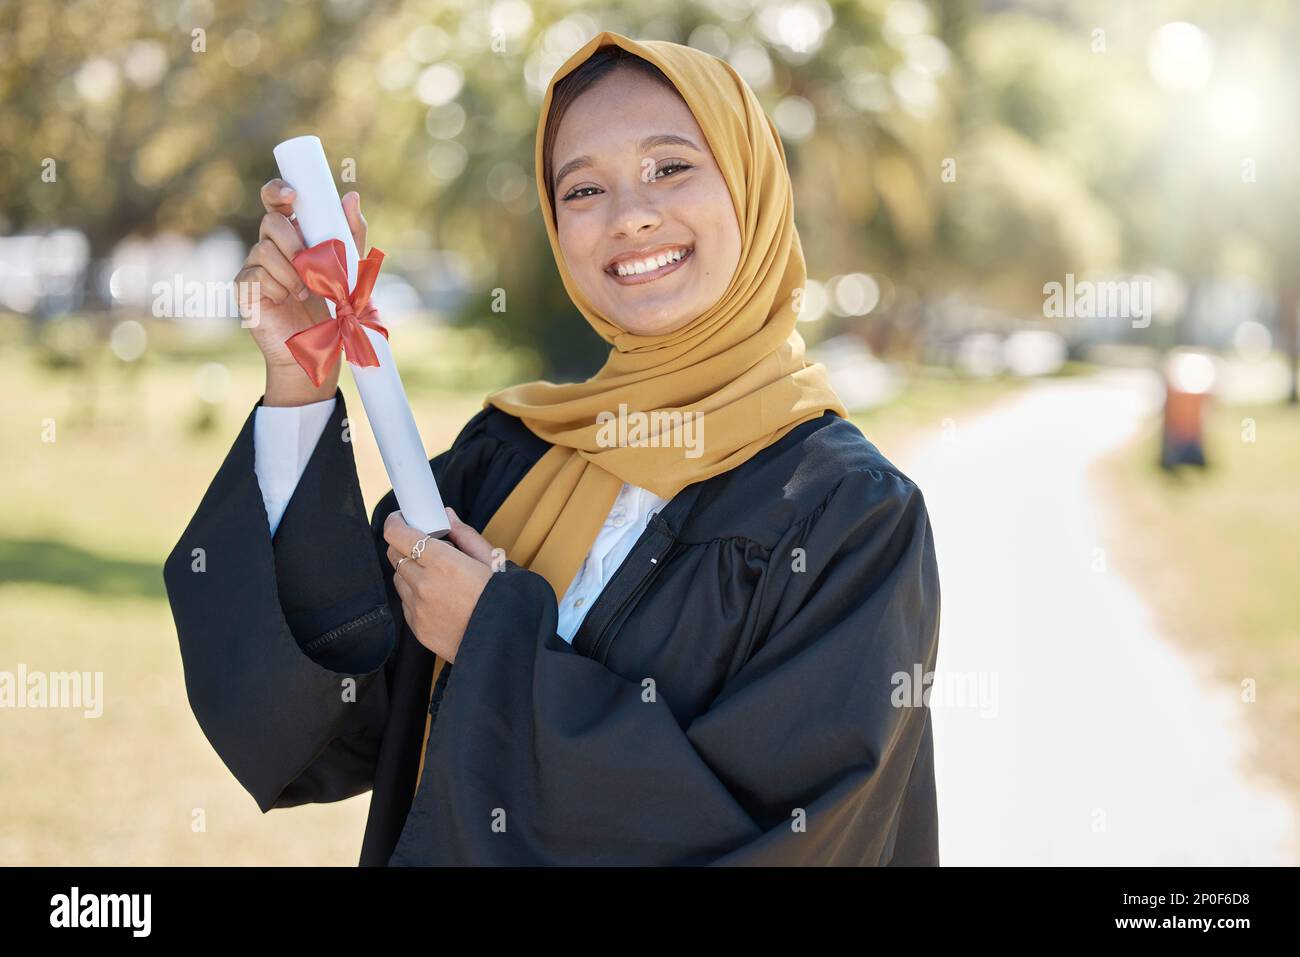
943	146
122	118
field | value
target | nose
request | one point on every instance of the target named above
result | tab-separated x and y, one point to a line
633	212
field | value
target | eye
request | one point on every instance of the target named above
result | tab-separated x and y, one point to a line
578	193
673	166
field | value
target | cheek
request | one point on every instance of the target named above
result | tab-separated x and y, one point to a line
577	243
715	218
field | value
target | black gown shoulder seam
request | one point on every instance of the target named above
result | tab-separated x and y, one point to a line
812	512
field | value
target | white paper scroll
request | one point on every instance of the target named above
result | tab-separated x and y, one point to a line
320	215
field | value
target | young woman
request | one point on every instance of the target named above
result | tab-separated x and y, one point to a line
707	646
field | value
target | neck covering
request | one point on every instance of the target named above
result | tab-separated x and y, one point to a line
739	367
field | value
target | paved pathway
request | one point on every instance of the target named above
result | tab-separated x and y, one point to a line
1099	741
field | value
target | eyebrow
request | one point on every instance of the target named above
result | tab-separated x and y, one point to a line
650	142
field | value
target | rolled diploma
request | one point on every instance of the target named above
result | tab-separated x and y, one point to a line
320	214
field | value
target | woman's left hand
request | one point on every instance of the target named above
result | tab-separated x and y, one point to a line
441	588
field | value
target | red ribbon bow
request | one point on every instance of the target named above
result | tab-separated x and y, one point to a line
324	269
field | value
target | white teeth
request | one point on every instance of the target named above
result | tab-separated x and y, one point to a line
650	264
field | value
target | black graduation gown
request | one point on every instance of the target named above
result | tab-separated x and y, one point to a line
741	692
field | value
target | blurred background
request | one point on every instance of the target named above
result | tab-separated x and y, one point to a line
1053	271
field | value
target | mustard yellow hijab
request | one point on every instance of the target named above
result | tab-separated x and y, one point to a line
741	363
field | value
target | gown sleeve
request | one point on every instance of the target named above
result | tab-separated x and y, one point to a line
807	754
286	641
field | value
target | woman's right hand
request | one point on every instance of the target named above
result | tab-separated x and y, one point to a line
274	301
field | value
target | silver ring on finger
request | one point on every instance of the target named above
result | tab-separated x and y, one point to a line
418	548
398	566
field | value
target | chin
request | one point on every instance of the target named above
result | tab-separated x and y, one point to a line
651	325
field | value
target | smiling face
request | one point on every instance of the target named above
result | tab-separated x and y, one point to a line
645	221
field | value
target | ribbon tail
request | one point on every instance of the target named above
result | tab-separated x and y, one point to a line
357	345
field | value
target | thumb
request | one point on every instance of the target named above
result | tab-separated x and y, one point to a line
356	222
467	540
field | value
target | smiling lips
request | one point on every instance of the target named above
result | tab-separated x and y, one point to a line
641	267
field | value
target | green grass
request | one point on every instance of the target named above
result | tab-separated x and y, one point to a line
85	523
1217	553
